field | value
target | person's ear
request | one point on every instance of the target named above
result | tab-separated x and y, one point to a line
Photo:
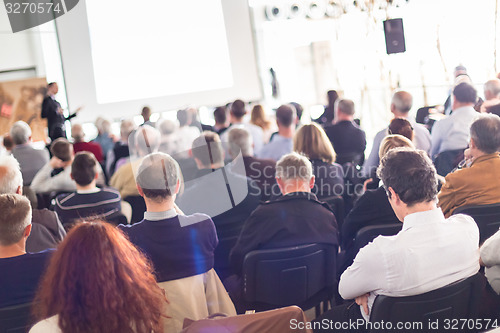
281	184
472	144
71	176
27	230
311	182
392	195
141	192
96	176
177	186
19	190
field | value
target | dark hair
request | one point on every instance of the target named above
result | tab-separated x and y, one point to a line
332	95
465	93
285	115
410	173
83	168
146	112
51	84
485	132
8	142
220	115
238	108
298	109
183	117
62	149
97	281
208	149
402	127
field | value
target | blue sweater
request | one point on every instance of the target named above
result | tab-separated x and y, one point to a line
178	247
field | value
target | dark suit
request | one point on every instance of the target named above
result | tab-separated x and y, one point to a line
55	120
372	208
293	219
348	139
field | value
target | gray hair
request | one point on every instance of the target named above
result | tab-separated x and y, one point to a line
402	101
346	106
147	140
166	126
240	139
103	125
157	176
493	86
485	132
15	217
294	166
10	175
127	126
20	132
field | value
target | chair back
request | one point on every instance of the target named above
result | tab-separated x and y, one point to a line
337	204
138	207
290	276
15	319
448	160
459	300
487	218
368	234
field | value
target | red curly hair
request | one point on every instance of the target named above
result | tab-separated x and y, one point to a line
97	281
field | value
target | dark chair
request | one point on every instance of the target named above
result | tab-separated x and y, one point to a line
337	205
301	275
221	256
447	161
487	218
15	319
354	158
117	218
368	234
459	301
138	207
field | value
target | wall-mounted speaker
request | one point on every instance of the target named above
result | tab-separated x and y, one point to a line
394	36
334	9
296	9
315	9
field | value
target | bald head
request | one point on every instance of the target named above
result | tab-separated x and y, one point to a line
492	89
401	104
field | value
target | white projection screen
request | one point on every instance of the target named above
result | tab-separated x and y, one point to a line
119	55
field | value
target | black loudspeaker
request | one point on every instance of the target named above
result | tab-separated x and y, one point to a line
394	36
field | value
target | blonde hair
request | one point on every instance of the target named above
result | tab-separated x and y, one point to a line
393	141
311	141
259	118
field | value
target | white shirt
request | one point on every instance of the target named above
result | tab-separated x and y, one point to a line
430	252
276	148
490	255
453	132
50	324
422	140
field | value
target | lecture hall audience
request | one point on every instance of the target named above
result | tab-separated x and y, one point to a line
401	105
97	281
120	152
281	143
21	270
478	182
430	251
46	228
88	200
79	144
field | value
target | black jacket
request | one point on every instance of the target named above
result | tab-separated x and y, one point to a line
293	219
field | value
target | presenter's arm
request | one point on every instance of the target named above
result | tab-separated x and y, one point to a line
74	113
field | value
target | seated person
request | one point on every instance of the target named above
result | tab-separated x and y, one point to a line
347	138
79	143
55	176
312	142
260	170
46	229
88	200
120	151
178	245
99	282
281	143
372	207
452	133
30	159
430	252
490	258
143	141
296	218
236	196
21	270
478	183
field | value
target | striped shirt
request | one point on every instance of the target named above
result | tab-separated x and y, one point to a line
81	204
